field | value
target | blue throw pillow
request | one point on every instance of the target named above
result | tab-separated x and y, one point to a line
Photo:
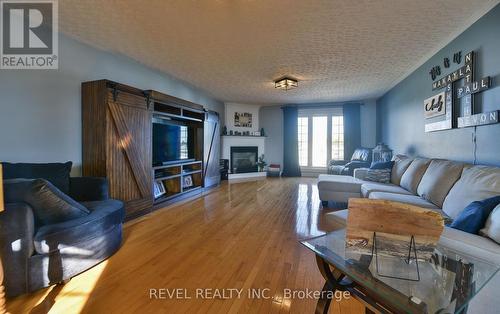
382	165
474	216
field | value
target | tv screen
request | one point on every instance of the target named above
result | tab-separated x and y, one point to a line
172	141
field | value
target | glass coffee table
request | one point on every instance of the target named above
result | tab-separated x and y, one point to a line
447	282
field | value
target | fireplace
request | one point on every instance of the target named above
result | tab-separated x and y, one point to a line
244	159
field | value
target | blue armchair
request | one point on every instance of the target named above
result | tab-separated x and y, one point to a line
35	256
361	158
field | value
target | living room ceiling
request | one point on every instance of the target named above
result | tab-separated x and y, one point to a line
338	50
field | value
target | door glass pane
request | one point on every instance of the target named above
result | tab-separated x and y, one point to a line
338	138
319	139
303	128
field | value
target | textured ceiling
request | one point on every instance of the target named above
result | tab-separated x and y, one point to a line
339	50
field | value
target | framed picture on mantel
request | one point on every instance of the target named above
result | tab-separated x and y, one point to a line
243	119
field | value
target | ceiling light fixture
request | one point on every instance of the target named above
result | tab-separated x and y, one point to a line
286	83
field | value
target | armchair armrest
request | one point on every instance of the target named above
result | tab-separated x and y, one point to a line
17	228
337	162
84	189
104	215
360	173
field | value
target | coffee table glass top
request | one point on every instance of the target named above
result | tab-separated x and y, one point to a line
448	281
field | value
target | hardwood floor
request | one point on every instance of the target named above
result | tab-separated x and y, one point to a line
237	236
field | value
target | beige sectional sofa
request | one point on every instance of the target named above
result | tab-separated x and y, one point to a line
441	185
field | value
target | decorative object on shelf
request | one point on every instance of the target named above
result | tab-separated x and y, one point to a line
187	181
243	119
261	163
462	95
262	133
224	130
231	132
381	153
256	133
159	189
371	231
286	83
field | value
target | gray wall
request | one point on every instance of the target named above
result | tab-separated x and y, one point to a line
400	111
271	119
40	118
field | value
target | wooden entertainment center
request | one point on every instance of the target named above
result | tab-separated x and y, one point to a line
117	123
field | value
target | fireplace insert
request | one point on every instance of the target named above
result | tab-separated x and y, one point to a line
244	159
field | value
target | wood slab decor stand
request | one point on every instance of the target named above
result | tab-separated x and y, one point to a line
398	229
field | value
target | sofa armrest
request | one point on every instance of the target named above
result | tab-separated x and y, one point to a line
17	228
360	173
86	189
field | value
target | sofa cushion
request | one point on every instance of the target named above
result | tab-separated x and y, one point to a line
491	228
476	183
438	179
49	204
402	198
378	175
339	183
401	163
412	176
369	187
56	173
470	245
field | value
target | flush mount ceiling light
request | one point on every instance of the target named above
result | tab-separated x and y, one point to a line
286	83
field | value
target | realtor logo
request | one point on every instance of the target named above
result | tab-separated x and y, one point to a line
29	34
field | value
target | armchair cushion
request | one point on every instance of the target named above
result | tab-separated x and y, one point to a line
55	173
49	204
84	189
104	216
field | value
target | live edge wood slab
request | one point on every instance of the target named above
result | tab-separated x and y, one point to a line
394	223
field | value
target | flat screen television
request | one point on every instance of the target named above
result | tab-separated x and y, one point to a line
173	141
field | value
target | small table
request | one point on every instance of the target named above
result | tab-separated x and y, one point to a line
448	282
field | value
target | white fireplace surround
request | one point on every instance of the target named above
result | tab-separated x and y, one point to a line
238	141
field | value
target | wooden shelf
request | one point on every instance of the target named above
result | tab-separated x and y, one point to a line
177	164
167	197
169	115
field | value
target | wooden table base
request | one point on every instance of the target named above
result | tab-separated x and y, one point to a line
335	280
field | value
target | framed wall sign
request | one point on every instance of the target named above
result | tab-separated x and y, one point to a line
460	89
435	106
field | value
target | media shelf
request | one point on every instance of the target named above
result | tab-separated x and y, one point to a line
178	179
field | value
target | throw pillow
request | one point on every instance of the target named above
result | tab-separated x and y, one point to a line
378	175
55	173
49	204
379	172
382	165
492	226
474	216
